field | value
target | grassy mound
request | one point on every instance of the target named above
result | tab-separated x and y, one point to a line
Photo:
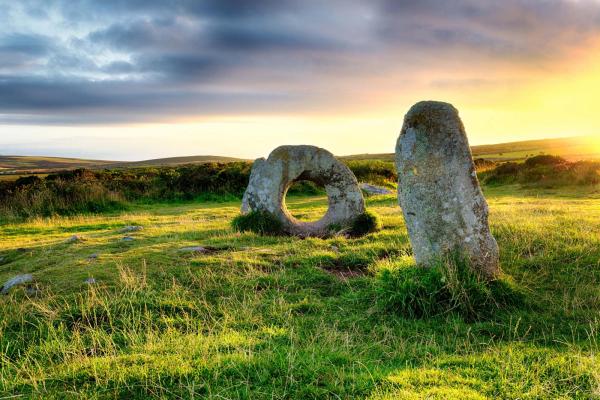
260	222
264	223
367	222
448	287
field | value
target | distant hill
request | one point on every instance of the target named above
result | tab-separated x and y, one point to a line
26	163
35	164
573	149
172	161
570	148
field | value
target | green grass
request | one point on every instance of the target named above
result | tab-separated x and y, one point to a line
262	317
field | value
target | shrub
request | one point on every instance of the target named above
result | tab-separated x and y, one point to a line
586	173
447	287
544	160
376	172
365	223
481	164
37	197
27	181
545	171
304	187
261	222
83	190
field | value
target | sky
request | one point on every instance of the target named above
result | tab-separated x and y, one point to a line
139	79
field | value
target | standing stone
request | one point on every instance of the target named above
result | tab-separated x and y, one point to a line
438	190
270	180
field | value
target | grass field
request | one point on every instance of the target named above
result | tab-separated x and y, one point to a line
285	318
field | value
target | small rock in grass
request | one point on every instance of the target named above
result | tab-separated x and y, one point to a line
16	281
32	291
131	228
2	259
374	190
335	249
127	239
22	250
194	249
93	256
90	281
74	239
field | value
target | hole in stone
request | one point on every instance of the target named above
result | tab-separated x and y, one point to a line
306	200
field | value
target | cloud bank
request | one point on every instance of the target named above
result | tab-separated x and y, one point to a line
116	61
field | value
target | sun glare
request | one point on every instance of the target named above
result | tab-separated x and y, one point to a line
593	144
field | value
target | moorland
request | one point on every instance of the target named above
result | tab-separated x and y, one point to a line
187	307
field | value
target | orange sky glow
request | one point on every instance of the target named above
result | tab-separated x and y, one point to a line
517	71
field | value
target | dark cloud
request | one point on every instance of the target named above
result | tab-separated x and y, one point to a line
507	28
29	44
234	9
141	35
251	38
183	66
227	9
66	101
19	50
117	60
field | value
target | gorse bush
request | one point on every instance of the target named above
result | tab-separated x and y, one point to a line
545	159
447	287
82	190
58	196
481	164
545	171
